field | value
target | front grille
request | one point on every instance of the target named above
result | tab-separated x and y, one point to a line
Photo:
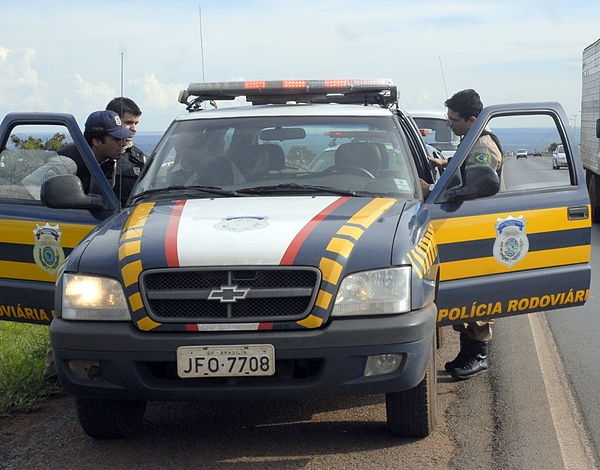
216	295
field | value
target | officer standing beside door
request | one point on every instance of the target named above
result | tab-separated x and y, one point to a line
463	109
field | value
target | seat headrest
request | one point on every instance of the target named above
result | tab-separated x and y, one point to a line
260	159
361	154
275	156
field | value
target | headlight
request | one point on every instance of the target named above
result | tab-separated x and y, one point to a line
93	298
386	291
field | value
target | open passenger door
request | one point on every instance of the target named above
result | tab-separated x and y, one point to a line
527	247
35	239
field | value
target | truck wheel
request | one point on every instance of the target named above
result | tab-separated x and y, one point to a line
413	413
439	337
594	192
109	419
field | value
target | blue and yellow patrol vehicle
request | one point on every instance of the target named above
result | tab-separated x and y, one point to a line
239	271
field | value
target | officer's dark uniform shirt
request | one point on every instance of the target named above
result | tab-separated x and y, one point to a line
128	168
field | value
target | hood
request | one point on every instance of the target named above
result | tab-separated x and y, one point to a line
336	235
259	231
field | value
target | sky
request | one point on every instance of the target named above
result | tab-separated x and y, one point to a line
74	56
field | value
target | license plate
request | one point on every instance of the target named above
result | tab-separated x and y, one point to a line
225	361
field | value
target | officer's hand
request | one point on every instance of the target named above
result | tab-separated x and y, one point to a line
437	162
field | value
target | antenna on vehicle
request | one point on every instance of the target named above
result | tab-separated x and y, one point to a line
122	54
443	78
201	42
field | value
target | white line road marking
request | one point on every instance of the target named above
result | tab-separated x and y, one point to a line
572	437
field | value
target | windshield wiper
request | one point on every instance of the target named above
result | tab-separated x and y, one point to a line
293	187
186	190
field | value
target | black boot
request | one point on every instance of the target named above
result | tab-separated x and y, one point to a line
463	354
474	364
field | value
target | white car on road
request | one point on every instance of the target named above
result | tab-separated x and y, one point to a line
559	158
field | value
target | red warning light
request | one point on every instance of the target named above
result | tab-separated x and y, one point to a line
255	84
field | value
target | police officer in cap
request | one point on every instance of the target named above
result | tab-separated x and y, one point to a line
107	138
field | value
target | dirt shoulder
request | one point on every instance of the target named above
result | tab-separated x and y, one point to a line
15	426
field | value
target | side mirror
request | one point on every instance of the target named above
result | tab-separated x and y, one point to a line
478	181
66	192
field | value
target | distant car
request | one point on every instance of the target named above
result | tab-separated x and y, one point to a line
522	153
559	158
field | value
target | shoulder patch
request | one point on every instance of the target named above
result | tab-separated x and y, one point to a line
481	158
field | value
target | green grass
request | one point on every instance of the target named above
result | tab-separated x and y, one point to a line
22	357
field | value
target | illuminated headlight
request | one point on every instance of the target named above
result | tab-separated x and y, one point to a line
93	298
385	291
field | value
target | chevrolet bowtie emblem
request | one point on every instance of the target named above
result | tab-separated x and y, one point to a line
228	294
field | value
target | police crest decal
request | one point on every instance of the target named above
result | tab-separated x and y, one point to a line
242	224
511	243
47	251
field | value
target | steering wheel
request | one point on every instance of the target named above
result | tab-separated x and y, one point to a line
355	170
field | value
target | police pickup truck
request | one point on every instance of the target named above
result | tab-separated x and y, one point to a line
235	272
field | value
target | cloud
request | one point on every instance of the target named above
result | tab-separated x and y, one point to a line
509	51
20	87
157	99
162	95
89	91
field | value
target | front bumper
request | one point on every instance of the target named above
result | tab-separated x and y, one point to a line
142	365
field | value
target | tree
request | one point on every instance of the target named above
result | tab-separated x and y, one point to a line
35	143
27	155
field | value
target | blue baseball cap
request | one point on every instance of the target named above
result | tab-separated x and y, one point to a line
107	122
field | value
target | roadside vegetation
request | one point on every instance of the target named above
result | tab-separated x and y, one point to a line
23	352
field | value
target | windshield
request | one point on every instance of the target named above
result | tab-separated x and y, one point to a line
291	153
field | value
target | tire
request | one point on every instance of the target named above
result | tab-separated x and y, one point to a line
109	419
413	413
594	193
439	337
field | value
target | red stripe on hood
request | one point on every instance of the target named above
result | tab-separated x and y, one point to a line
290	254
171	236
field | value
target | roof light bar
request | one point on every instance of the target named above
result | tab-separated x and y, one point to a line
374	91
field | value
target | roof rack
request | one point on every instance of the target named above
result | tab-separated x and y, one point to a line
359	91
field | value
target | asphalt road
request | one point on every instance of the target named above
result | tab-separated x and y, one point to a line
577	333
